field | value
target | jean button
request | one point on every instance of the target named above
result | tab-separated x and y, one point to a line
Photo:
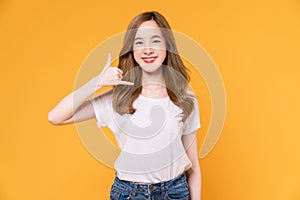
152	187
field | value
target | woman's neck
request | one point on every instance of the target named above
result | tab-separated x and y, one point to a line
153	84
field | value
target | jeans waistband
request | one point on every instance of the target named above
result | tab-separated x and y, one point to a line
131	185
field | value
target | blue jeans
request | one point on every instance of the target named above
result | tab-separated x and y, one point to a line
176	188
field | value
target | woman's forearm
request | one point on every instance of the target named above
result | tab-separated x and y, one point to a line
194	182
70	103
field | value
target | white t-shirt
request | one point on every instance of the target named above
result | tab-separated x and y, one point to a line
149	139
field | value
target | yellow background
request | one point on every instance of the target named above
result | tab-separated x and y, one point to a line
255	45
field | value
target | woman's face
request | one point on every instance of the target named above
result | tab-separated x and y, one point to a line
149	46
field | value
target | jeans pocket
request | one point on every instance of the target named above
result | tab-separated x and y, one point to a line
178	192
114	194
118	192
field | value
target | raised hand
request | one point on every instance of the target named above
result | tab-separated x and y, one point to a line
111	76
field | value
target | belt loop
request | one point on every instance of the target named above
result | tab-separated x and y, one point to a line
135	186
163	185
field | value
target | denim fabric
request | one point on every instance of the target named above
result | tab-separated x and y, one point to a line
176	188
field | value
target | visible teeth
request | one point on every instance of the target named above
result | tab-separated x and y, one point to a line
149	59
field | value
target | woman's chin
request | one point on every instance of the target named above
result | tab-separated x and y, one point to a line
150	68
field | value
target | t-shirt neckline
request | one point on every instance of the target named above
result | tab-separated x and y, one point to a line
154	99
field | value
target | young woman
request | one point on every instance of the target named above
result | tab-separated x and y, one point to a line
152	114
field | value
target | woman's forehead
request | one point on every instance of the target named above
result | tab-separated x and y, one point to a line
148	29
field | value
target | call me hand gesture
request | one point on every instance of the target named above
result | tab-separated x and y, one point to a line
64	112
111	76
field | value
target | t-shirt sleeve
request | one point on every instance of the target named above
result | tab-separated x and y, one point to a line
103	108
192	123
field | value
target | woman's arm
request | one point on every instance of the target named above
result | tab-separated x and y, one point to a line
63	112
194	173
66	109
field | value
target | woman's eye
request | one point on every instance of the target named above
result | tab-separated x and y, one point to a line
137	43
156	41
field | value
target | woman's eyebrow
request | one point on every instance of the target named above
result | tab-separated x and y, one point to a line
154	36
138	38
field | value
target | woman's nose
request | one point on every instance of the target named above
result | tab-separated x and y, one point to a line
148	50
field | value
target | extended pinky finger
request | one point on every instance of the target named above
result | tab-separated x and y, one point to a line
125	83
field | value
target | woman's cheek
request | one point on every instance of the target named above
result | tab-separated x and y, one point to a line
136	57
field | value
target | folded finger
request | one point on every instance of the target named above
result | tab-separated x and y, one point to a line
120	71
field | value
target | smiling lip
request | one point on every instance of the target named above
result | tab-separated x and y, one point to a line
149	59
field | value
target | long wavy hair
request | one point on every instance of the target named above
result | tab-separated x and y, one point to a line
174	71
